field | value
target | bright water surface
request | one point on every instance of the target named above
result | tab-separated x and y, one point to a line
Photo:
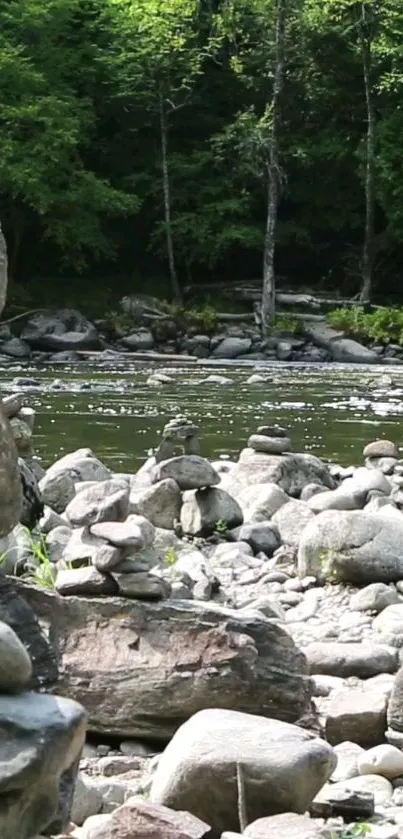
330	410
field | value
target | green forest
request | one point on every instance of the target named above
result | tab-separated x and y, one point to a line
147	145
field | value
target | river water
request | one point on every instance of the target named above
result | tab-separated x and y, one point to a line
330	410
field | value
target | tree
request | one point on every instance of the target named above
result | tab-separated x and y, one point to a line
48	78
161	55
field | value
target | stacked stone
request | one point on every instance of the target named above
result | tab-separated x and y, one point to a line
110	551
180	428
41	737
382	455
270	440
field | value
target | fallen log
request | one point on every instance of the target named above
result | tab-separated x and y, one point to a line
138	356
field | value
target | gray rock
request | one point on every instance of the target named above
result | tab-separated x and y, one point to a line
379	788
261	536
136	532
41	740
32	502
341	349
382	760
106	557
357	714
57	541
87	799
81	465
381	448
57	490
348	755
395	706
16	348
103	501
291	519
140	340
334	658
259	502
82	546
189	471
374	598
50	520
140	818
285	826
15	663
389	624
269	445
141	668
353	493
232	347
291	472
141	585
352	546
160	504
83	581
205	509
283	767
335	800
10	482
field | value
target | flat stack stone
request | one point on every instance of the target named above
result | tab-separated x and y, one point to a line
270	440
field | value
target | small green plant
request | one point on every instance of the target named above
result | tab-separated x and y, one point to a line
40	571
170	556
118	322
355	830
222	527
326	560
287	324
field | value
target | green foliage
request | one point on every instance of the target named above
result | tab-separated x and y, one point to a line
383	325
40	571
326	564
355	830
170	556
288	324
221	527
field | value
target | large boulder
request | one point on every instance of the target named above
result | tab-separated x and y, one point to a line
353	493
188	470
32	503
160	503
41	739
63	329
353	547
341	349
291	472
10	482
205	509
102	501
58	484
260	502
281	767
141	669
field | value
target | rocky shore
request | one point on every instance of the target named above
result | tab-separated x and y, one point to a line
145	329
233	629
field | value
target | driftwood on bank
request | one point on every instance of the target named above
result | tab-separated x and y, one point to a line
139	356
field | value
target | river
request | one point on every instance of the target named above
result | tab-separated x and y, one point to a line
330	410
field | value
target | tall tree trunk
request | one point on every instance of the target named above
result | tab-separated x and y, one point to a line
368	246
176	291
268	309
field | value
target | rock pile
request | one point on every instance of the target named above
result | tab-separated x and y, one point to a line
250	615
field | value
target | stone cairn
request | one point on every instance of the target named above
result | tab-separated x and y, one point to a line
270	440
41	736
178	429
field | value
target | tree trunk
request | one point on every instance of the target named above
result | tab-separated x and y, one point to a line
368	246
176	291
268	309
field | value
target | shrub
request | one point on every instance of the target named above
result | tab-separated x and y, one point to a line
383	325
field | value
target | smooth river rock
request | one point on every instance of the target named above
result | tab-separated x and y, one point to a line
141	669
282	767
10	482
352	547
291	472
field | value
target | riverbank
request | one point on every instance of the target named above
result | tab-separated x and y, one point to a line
147	329
270	584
